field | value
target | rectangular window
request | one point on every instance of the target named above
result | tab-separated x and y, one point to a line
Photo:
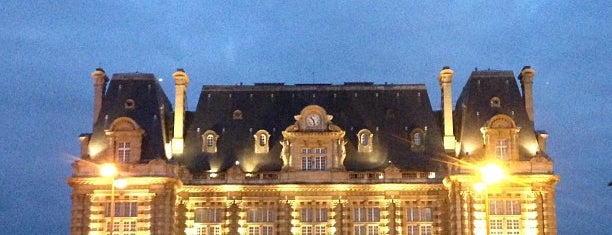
426	229
122	226
208	230
314	214
307	163
208	215
123	151
413	229
314	159
501	149
320	230
122	209
257	215
363	229
367	214
504	207
420	220
320	162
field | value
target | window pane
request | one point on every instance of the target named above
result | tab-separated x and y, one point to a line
426	214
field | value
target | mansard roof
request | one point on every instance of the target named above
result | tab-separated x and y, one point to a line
474	108
140	97
390	112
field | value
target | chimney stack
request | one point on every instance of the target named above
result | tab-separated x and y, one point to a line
181	80
100	80
526	78
445	79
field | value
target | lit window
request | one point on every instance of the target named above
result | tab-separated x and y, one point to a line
314	159
364	139
505	216
122	209
419	220
313	220
413	215
125	215
367	214
208	215
208	229
364	136
210	141
261	141
258	215
261	230
314	214
501	149
123	151
505	207
363	229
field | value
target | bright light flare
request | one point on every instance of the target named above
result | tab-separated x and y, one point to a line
108	170
479	187
492	173
120	183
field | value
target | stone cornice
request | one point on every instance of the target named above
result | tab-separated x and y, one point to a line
311	188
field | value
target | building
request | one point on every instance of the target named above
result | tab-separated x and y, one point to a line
355	159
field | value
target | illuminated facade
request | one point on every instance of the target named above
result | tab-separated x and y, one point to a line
314	159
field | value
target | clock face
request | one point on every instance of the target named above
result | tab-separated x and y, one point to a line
313	120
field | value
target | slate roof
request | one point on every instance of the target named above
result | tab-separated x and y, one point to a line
473	108
148	97
391	112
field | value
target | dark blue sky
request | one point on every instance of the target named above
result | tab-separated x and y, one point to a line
50	49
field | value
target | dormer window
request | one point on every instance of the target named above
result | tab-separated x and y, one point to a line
500	138
365	141
261	139
210	141
126	136
417	140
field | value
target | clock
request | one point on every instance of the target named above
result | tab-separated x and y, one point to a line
313	120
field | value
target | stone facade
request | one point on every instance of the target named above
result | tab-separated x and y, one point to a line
395	167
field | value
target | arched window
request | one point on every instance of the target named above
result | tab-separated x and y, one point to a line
417	138
365	141
261	141
209	139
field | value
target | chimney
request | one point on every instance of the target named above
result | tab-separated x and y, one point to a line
181	80
541	137
526	78
100	79
445	79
